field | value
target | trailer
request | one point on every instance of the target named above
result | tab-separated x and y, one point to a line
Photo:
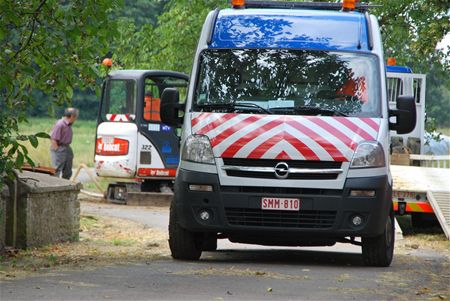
424	193
423	189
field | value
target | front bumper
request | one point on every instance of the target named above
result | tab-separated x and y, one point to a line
324	214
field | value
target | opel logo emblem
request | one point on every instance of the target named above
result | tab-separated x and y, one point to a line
282	170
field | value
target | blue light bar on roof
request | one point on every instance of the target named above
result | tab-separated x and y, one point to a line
294	29
398	69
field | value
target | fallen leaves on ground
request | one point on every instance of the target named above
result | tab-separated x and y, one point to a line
103	240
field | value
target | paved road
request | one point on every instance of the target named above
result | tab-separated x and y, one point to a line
240	272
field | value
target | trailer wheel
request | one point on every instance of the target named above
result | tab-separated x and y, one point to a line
184	244
378	251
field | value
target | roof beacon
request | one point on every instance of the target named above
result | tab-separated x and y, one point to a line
107	62
348	5
391	61
238	3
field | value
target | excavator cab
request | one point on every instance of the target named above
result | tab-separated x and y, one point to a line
131	141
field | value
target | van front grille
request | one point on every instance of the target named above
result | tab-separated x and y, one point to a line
254	168
304	219
292	163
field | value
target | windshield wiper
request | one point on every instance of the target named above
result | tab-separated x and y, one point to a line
312	110
232	106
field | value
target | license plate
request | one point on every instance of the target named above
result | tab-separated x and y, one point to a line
280	204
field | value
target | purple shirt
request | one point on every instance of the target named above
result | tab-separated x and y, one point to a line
62	132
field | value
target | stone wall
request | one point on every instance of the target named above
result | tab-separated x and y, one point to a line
48	217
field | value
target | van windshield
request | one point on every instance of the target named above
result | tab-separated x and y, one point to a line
288	82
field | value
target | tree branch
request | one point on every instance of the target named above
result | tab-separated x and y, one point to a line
33	24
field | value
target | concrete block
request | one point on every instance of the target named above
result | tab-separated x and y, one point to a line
48	210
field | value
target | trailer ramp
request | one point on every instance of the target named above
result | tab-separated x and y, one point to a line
440	201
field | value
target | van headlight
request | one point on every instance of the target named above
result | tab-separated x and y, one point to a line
197	148
368	154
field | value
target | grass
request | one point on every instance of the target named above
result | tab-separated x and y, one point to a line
445	131
104	182
88	222
83	141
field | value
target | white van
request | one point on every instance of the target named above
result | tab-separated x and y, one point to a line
286	132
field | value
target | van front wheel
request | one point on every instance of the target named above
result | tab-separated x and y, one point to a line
184	244
378	251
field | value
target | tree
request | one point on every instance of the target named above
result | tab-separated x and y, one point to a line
142	12
171	44
411	29
52	46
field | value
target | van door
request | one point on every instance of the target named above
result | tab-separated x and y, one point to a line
158	144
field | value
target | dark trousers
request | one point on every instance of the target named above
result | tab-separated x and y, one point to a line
62	159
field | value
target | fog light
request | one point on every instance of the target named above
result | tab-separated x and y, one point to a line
204	215
366	193
357	220
196	187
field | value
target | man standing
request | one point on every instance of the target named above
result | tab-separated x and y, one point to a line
61	137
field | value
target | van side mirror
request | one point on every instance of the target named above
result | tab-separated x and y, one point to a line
170	107
405	115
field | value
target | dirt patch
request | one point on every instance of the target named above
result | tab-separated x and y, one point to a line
103	241
432	243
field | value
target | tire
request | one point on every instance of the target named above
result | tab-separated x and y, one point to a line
184	244
378	251
210	242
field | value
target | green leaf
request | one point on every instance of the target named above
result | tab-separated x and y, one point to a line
30	161
33	140
43	135
22	138
24	149
13	149
19	160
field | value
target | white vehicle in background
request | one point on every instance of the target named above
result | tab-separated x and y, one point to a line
401	81
131	141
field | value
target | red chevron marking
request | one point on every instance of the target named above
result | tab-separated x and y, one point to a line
326	145
240	143
199	118
283	156
261	149
334	131
231	130
370	122
357	130
212	125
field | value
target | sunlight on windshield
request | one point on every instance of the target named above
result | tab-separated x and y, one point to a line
277	80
